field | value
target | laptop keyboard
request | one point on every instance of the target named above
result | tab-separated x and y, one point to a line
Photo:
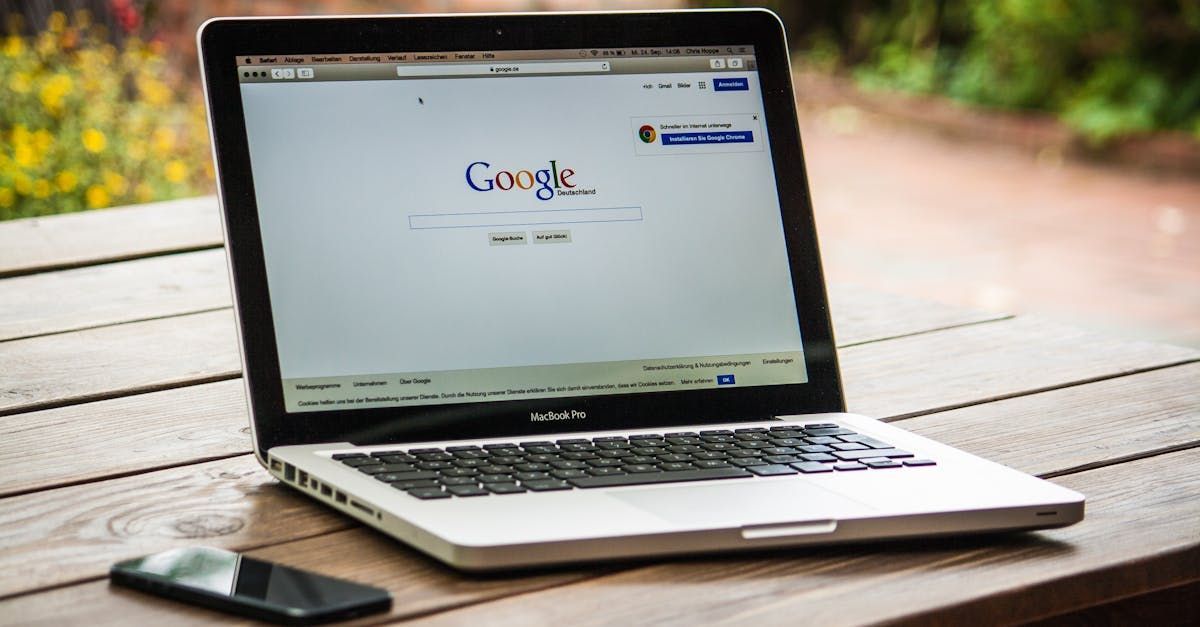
611	461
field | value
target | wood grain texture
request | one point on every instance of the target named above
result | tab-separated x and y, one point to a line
57	536
984	362
1138	536
113	293
90	549
862	315
1074	427
91	237
52	370
134	433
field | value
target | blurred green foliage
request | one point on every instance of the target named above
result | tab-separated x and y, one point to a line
1107	68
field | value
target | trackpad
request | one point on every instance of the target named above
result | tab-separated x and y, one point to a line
742	503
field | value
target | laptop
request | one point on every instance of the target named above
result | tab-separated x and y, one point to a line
528	289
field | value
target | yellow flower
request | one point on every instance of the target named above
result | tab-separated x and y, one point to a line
25	155
154	92
43	140
20	83
41	188
143	193
66	181
94	141
46	44
56	22
175	171
7	197
14	45
115	184
164	141
97	198
22	183
54	91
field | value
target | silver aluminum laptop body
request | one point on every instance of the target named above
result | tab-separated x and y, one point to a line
959	493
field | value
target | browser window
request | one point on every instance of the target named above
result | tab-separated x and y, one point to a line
469	226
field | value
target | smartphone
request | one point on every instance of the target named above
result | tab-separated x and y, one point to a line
234	583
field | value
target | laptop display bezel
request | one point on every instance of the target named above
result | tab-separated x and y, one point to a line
223	40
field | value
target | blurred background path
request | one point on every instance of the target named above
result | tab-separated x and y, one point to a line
991	226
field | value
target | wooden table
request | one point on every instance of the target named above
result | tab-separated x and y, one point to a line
123	432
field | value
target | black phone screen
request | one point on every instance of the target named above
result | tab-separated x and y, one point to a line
234	582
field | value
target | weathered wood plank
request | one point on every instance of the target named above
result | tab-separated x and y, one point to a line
984	362
1073	427
55	536
87	548
114	293
1139	536
92	237
52	370
862	315
123	435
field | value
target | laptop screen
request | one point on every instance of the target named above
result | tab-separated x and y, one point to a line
457	227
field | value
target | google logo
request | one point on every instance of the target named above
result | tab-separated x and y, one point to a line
647	133
546	179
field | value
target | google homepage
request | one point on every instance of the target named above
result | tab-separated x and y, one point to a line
449	240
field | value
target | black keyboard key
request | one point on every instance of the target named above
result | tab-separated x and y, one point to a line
604	462
812	467
752	437
700	474
919	462
573	441
434	465
507	452
459	472
495	478
779	450
609	438
344	456
818	457
569	463
504	488
541	450
871	452
548	443
676	466
640	459
772	470
645	436
684	448
499	445
546	485
711	455
681	434
579	455
470	463
827	431
640	468
718	446
787	441
747	461
615	453
495	469
415	483
717	432
751	430
542	458
607	470
820	425
355	462
388	477
429	493
823	440
717	438
756	444
474	454
435	457
531	476
675	457
396	459
711	463
532	467
507	459
465	447
781	459
849	466
849	446
569	473
883	463
457	480
467	490
814	448
578	448
684	441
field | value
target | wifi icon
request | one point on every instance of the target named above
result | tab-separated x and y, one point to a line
595	52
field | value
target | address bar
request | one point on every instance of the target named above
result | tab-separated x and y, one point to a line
495	69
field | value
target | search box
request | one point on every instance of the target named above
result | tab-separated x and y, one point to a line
523	218
500	69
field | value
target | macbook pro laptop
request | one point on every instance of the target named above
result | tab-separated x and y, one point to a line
536	288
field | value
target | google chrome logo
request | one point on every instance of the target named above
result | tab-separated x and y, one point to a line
647	133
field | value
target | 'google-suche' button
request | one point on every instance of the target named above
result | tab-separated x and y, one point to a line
731	84
715	137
